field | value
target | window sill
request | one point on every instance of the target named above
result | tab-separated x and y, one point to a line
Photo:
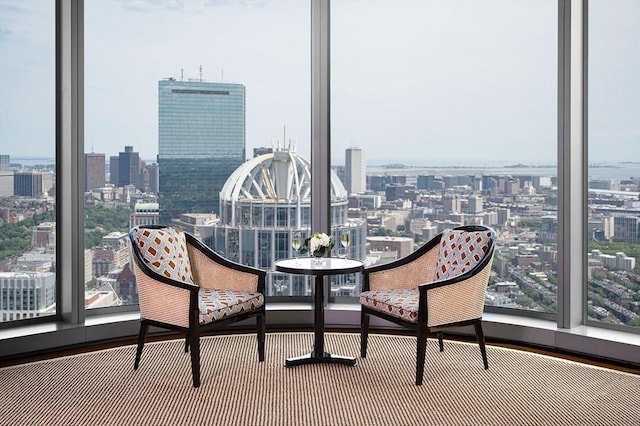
607	344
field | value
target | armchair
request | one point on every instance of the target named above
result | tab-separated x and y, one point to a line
441	285
185	286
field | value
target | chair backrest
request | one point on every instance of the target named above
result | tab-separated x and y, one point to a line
164	250
461	250
465	256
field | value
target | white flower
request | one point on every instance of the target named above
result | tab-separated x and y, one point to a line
318	241
324	240
314	244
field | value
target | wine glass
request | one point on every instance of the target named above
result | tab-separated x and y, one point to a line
296	242
345	240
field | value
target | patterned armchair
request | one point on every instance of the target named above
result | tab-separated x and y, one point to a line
440	285
185	286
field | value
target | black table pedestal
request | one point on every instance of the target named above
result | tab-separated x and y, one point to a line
315	358
333	266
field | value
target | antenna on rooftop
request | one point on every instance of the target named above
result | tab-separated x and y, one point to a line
181	74
200	72
222	78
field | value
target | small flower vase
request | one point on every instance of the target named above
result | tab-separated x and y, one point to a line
317	256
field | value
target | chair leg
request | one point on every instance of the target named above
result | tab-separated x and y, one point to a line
186	343
364	333
260	323
194	343
483	349
144	326
421	351
440	341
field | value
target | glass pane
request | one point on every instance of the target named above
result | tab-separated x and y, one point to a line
449	109
27	160
209	105
614	163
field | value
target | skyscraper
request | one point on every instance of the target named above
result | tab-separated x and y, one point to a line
355	171
263	203
154	176
94	171
201	141
128	167
114	169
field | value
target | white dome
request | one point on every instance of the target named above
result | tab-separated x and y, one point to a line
279	176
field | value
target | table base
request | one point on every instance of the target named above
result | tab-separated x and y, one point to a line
316	358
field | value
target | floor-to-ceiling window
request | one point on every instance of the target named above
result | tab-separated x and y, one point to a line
444	114
613	209
27	160
482	80
178	97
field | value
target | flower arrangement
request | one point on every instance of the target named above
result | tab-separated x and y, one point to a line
317	244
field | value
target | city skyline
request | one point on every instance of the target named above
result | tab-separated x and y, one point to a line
431	92
518	249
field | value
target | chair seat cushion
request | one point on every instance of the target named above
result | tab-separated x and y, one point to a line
215	305
399	303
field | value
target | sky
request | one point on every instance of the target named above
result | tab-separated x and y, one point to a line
413	81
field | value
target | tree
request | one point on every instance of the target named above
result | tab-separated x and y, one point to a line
15	238
100	221
383	232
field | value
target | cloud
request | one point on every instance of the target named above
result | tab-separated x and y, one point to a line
148	5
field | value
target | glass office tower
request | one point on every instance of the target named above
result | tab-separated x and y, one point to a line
201	141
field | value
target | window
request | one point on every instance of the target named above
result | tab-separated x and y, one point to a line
177	100
613	208
460	70
27	160
453	121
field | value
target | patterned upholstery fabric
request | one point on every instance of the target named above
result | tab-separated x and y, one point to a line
165	251
459	252
399	302
215	305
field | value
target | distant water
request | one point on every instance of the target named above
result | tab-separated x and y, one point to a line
32	161
616	171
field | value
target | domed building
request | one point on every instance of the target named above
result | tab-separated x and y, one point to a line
268	199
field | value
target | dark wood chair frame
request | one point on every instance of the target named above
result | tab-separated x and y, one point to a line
195	329
420	327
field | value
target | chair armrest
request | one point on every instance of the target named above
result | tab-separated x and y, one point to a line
405	273
163	299
456	299
214	272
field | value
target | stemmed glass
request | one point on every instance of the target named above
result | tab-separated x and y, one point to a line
345	240
296	242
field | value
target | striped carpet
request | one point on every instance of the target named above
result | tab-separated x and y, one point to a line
520	388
